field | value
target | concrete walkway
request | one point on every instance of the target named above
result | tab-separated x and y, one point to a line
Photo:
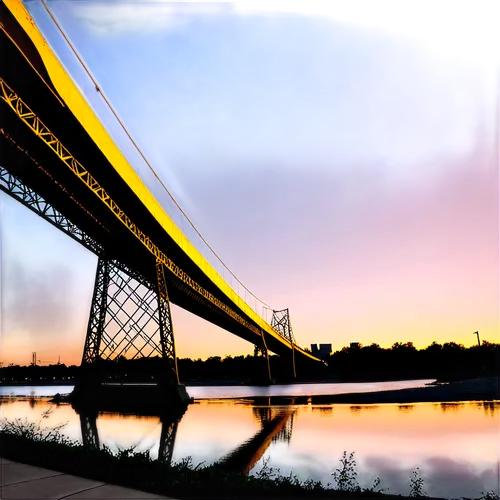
29	482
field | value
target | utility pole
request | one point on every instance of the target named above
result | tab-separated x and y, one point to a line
478	340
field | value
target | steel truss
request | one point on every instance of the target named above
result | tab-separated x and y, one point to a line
29	118
37	204
130	319
281	323
165	326
14	187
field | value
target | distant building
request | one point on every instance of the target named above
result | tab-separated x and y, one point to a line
323	351
354	345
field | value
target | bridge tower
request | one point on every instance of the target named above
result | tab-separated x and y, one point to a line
130	318
281	323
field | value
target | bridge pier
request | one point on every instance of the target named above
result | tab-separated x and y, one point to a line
130	318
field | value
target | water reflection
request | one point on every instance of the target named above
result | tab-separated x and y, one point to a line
323	410
405	408
276	426
169	424
454	445
451	406
358	408
489	407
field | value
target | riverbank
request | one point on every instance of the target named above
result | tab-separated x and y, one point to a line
91	469
19	480
477	389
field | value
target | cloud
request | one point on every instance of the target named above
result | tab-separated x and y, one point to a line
112	22
371	247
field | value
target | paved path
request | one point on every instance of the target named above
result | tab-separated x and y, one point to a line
28	482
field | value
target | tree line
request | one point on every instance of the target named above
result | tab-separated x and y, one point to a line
402	360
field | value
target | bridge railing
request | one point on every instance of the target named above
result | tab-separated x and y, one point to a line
91	90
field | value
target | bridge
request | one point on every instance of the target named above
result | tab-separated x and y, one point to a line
58	159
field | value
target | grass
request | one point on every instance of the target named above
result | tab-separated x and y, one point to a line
30	442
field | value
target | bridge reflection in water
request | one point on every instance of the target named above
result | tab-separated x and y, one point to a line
276	425
169	424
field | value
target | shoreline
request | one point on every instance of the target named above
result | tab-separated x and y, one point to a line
477	389
220	382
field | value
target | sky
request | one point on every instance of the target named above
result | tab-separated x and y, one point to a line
341	157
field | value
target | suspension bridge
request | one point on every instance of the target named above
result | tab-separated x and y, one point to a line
58	159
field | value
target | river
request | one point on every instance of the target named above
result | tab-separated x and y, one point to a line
455	445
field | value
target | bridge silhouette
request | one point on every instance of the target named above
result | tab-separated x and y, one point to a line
276	424
58	159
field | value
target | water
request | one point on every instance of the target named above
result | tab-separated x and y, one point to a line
455	445
242	391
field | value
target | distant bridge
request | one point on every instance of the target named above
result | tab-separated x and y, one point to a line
58	160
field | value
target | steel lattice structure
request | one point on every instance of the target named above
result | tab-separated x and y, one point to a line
116	325
97	317
281	323
129	318
14	187
165	326
24	112
112	312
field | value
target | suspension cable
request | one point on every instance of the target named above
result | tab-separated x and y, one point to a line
99	91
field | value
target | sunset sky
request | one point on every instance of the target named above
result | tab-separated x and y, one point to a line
342	159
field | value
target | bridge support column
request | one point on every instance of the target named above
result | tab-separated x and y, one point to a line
130	318
169	377
262	377
281	323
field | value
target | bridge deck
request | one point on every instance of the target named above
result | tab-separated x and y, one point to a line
133	228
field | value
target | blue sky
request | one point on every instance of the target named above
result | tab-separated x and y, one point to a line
323	152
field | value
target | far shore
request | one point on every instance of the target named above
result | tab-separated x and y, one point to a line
477	389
